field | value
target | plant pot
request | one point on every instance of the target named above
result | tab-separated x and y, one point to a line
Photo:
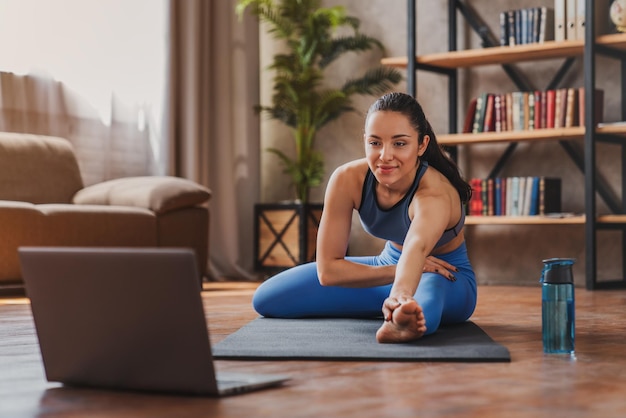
285	234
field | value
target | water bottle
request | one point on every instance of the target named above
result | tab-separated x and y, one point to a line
557	306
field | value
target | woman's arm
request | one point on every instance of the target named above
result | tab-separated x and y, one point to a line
431	216
343	194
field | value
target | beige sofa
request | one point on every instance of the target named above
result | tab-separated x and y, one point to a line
43	202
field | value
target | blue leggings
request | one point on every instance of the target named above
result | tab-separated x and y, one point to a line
297	293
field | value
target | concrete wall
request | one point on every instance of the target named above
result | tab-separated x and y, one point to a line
500	254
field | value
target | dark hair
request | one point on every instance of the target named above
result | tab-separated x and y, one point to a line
434	154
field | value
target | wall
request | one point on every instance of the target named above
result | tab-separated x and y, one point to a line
500	254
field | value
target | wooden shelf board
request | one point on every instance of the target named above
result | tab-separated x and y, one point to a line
576	132
541	220
523	220
612	219
508	54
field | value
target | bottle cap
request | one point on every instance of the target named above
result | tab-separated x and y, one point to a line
558	270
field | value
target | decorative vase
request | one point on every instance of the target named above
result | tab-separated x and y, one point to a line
618	14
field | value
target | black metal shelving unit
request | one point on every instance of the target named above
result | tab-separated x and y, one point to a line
594	182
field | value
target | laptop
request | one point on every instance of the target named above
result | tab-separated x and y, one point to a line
126	319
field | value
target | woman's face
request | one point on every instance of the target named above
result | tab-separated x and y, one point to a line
391	147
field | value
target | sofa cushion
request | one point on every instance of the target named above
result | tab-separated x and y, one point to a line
158	193
37	169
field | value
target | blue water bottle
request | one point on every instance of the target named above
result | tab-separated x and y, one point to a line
557	306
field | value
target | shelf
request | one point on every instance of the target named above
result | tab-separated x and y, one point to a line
524	220
541	220
508	54
557	134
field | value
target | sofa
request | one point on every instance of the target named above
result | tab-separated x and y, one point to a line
43	202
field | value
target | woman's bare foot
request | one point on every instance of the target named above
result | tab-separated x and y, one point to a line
407	324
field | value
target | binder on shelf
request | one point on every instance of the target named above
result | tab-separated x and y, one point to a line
602	19
559	20
570	20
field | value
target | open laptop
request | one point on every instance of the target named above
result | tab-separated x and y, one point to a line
125	318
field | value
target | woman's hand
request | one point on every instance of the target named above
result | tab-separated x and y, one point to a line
435	265
391	304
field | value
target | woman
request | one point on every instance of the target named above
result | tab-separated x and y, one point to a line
408	192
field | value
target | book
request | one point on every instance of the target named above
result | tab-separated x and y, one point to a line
550	108
549	195
509	111
497	196
509	196
559	20
490	197
570	19
544	109
528	189
571	113
524	25
514	192
518	27
484	198
504	29
524	111
516	103
530	117
521	199
511	27
558	108
479	115
533	15
563	101
469	116
489	122
476	204
497	108
537	109
546	24
534	197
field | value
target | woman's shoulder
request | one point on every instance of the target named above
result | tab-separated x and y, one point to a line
355	169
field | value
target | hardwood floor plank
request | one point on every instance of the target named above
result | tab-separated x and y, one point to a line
590	384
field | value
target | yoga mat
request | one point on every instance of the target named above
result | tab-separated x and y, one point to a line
354	339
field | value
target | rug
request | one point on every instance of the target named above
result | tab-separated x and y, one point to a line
354	339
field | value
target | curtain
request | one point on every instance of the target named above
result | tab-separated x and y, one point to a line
211	131
78	76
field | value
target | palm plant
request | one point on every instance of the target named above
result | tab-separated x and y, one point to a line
299	100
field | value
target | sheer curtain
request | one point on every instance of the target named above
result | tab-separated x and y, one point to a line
211	128
144	87
90	71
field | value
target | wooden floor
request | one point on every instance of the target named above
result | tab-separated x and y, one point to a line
593	384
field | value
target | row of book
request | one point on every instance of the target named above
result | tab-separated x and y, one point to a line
564	21
522	110
515	196
526	26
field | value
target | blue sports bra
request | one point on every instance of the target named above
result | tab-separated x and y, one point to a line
393	224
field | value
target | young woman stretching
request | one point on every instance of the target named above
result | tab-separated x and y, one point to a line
408	192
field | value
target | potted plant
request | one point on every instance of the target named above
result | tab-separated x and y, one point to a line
300	99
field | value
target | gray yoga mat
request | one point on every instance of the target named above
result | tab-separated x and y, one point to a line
354	339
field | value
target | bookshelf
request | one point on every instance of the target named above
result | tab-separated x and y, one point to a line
447	63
